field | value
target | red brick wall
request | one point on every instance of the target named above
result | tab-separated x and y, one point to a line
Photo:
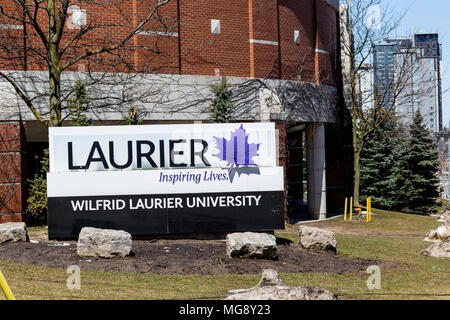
202	53
298	60
165	22
327	41
12	175
265	28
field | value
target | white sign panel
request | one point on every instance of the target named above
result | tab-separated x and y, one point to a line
162	147
161	179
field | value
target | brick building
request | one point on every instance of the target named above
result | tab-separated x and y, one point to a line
282	58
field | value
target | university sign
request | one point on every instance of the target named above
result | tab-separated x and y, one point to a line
163	179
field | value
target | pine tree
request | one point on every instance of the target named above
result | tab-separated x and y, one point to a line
222	107
415	173
79	105
377	162
398	185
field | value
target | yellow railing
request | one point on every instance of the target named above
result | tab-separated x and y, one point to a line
351	210
5	288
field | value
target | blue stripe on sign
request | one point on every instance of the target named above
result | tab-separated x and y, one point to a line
247	151
224	148
235	150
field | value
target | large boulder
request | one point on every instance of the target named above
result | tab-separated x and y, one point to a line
270	287
316	239
431	236
104	243
440	234
251	245
443	233
13	232
438	250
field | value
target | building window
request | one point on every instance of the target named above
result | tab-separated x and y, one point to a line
296	36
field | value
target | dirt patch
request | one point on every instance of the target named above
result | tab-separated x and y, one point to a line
204	257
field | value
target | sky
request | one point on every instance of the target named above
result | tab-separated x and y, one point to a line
432	16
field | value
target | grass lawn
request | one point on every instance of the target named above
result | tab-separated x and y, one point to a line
393	239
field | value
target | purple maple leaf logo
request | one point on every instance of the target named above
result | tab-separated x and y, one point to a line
237	151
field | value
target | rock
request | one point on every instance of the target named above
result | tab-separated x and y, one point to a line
431	236
440	234
317	239
438	250
13	232
251	245
443	233
284	293
445	218
270	287
104	243
269	278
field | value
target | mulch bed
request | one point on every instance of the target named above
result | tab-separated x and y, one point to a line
203	257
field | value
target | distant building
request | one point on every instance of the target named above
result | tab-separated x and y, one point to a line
424	55
432	51
384	65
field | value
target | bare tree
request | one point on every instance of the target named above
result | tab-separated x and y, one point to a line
50	38
365	23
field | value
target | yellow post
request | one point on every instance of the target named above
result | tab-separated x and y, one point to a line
369	208
351	208
5	288
345	210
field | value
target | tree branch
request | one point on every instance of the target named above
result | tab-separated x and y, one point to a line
25	99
